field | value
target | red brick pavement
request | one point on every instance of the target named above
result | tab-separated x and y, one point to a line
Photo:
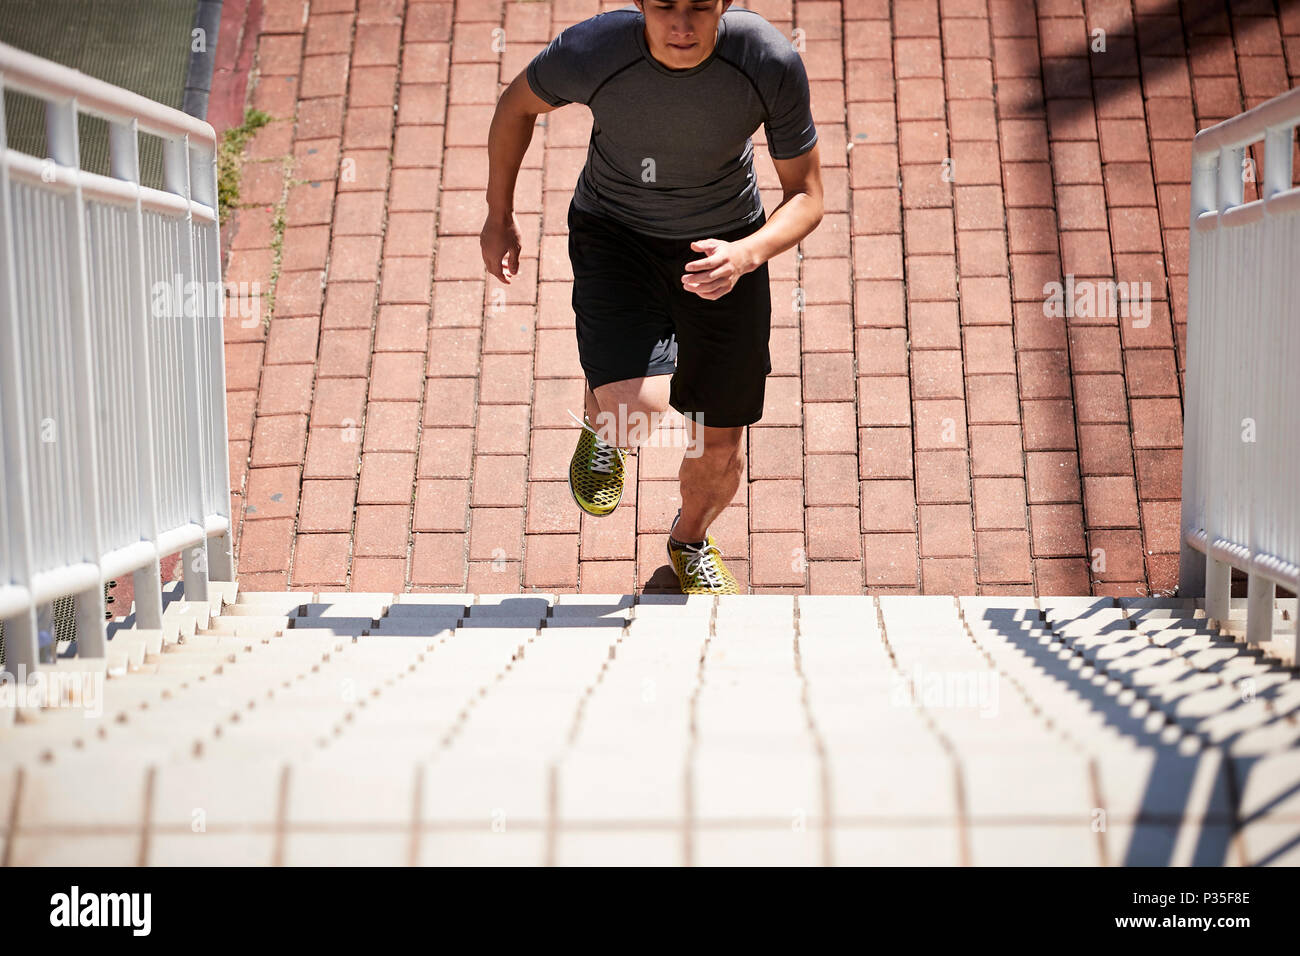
931	424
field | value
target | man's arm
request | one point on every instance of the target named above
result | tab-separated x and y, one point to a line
800	210
508	139
798	214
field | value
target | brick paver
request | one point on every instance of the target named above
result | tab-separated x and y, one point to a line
945	341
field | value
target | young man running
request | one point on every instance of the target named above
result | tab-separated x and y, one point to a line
668	237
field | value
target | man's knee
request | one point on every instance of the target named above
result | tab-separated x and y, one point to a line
632	410
718	449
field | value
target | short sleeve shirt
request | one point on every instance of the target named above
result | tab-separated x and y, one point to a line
670	152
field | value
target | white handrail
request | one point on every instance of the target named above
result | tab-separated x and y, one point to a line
112	376
1241	448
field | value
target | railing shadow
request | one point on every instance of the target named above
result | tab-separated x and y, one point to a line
1174	778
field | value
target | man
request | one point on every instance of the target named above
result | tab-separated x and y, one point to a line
668	237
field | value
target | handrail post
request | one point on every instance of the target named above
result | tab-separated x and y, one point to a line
203	178
194	560
1191	563
61	136
1229	191
1231	186
1260	594
1278	143
124	158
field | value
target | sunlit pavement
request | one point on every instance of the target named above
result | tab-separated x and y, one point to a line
605	729
934	423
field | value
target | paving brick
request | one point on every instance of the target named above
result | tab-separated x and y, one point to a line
382	530
890	559
1048	425
1003	558
332	452
885	452
344	353
881	351
1110	502
1157	423
446	452
1120	552
265	545
1053	477
945	530
832	533
777	558
985	300
999	503
941	476
386	478
948	575
829	427
391	426
448	402
272	493
551	560
937	374
940	424
327	505
1044	374
321	559
778	505
1056	530
888	505
992	399
883	401
1061	575
933	325
438	559
499	480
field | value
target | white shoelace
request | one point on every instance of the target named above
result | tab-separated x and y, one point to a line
700	563
602	459
700	560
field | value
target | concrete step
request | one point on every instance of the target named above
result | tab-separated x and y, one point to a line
632	707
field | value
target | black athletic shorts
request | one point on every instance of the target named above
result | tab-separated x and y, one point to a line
634	318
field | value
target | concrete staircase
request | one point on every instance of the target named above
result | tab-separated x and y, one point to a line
305	728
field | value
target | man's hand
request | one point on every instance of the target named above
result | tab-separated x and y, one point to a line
717	274
501	244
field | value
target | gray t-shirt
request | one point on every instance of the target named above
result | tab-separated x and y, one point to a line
670	152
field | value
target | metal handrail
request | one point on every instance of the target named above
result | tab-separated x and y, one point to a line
112	379
1241	448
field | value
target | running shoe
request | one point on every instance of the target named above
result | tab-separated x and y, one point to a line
596	472
700	569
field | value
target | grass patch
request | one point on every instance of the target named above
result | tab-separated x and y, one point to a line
277	241
229	156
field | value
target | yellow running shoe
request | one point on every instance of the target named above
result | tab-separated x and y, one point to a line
596	472
700	570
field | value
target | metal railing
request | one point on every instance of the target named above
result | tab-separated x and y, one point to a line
1241	449
112	378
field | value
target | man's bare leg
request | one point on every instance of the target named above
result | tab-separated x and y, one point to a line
634	408
710	480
